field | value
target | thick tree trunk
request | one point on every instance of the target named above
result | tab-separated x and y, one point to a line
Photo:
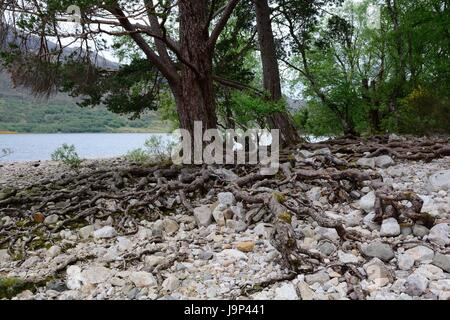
271	74
195	94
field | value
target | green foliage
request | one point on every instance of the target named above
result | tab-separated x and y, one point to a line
138	156
155	150
421	112
68	156
10	287
249	109
59	115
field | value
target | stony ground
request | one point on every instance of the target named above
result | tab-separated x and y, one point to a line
214	255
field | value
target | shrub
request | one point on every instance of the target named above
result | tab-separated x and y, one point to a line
139	156
155	150
67	155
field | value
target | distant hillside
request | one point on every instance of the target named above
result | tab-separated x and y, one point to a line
21	112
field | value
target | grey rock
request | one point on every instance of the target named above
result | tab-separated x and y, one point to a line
305	291
205	255
226	174
416	284
405	262
319	277
95	275
305	154
384	162
86	232
238	226
328	233
440	234
378	272
203	216
232	254
353	219
56	285
366	163
367	203
377	249
133	293
124	244
105	233
406	231
153	261
442	261
440	180
390	228
347	258
4	256
420	253
369	223
53	251
286	292
171	226
226	198
263	230
143	279
420	230
219	216
327	248
52	219
171	284
322	152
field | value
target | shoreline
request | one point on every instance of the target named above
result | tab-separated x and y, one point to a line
159	249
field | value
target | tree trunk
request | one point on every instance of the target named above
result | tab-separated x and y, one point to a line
195	92
271	74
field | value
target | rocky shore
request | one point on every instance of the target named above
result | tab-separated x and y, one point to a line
224	248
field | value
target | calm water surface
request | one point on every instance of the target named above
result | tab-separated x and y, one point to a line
32	147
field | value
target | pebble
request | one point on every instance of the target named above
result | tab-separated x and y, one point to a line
143	279
367	203
440	234
171	284
420	253
203	216
442	261
226	199
53	251
247	246
319	277
405	262
327	248
53	219
105	233
305	291
286	292
420	231
95	275
347	258
416	284
377	249
86	232
390	228
4	256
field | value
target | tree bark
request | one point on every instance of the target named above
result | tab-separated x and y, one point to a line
271	74
195	93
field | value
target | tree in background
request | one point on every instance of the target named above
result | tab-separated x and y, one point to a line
271	73
179	58
369	80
